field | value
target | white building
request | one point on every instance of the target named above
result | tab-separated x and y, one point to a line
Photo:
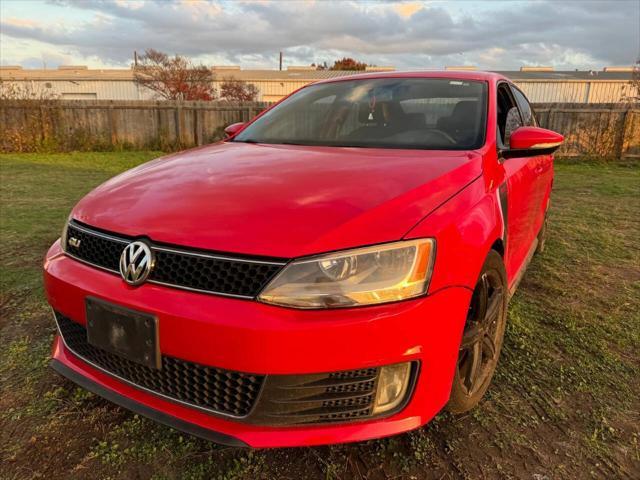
540	84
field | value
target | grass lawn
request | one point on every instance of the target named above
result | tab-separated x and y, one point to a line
565	401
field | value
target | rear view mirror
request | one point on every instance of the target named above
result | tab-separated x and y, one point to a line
234	128
531	141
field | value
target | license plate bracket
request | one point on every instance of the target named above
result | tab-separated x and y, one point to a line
128	333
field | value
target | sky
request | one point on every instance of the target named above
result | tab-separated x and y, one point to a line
494	35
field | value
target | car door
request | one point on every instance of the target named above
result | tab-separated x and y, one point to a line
519	185
542	166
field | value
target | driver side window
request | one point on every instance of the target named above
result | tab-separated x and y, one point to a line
508	115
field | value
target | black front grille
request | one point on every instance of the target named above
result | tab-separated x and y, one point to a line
214	389
177	267
213	275
94	249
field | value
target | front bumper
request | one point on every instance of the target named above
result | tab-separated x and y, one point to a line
248	336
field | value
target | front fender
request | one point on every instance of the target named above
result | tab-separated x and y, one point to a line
465	228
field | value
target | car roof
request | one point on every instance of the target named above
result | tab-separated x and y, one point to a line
452	74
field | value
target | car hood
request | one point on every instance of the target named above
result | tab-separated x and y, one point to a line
278	200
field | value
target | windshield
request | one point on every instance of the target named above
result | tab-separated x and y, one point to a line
420	113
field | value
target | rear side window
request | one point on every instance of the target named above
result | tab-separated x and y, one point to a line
528	117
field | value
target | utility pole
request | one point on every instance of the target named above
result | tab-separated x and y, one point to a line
280	61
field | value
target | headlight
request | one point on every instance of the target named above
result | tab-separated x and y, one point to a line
362	276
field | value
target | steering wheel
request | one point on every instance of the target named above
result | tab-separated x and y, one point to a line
444	135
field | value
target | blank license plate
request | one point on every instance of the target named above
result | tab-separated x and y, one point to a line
124	332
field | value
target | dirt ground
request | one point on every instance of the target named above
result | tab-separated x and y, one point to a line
565	402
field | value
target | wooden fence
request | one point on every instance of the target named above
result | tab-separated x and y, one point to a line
603	130
594	130
104	124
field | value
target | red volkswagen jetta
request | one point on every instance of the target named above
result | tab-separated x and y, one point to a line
337	270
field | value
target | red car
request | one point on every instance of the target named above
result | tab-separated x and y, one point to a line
336	270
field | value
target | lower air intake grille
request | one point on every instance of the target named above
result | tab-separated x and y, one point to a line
213	389
318	398
273	400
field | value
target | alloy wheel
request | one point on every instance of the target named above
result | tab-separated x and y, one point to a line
482	333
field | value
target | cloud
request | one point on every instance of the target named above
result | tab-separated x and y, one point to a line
406	34
408	9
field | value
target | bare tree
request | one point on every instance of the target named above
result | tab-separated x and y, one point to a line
19	90
238	90
174	78
28	129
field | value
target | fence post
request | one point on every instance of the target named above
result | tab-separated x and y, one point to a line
160	139
197	130
619	150
112	126
178	120
43	126
550	116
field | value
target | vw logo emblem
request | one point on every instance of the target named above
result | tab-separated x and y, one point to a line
136	262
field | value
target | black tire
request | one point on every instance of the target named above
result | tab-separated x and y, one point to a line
482	338
542	234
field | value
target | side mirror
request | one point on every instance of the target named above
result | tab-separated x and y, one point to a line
234	128
532	141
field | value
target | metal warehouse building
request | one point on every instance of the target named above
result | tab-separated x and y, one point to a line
541	84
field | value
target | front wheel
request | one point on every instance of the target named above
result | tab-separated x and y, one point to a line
542	234
482	337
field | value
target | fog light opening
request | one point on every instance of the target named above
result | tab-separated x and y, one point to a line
393	382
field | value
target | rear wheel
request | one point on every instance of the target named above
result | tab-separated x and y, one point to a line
482	337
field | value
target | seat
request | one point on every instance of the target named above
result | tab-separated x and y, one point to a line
462	124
